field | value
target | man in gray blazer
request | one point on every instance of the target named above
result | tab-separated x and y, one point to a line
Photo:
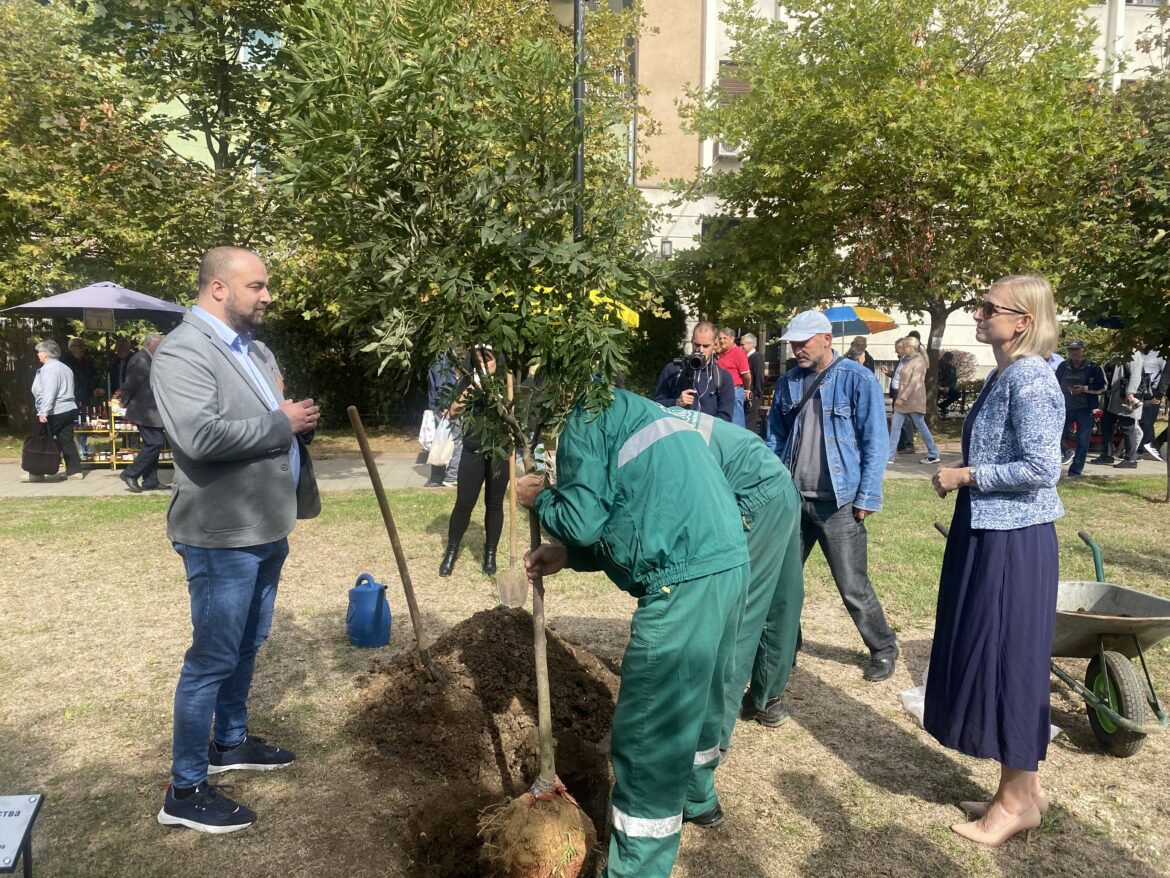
242	477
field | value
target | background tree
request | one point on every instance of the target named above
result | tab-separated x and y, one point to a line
1122	276
904	151
444	177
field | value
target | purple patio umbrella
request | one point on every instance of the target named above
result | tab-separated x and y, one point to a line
103	296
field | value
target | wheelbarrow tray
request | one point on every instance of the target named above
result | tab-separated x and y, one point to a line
1086	612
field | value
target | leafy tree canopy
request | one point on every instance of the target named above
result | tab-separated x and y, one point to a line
1121	276
429	146
905	151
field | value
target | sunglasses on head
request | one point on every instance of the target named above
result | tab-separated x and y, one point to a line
990	309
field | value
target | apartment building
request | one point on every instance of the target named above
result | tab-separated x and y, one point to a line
691	48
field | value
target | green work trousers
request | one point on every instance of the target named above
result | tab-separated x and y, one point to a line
771	620
669	716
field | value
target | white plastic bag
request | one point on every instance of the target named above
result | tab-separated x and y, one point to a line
426	430
443	444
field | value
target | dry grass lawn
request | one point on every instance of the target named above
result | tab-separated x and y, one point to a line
94	623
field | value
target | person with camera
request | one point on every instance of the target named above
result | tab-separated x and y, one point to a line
696	381
828	425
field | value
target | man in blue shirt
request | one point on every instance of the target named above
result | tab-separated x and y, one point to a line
243	476
836	445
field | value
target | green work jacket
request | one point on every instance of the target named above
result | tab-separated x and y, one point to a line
754	472
639	496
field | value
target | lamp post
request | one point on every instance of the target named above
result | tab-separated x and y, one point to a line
572	12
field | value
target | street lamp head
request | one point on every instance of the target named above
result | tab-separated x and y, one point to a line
562	11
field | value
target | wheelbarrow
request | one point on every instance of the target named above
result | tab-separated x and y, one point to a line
1110	625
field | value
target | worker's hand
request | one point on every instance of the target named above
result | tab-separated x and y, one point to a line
527	490
302	416
545	560
1131	399
1077	389
43	419
860	514
951	478
686	399
747	395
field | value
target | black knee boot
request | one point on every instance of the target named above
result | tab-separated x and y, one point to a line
448	564
489	560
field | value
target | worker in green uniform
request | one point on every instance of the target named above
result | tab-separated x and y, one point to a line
770	506
639	496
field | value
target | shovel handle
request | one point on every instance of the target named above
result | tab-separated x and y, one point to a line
424	654
548	767
511	489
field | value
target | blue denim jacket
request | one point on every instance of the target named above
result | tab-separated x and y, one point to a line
1014	449
854	422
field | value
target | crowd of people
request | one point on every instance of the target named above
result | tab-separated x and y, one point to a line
712	549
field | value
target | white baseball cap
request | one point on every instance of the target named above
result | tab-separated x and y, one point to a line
805	325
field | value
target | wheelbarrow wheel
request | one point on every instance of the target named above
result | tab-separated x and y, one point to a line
1127	694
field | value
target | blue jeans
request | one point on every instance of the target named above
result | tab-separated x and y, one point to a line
737	409
919	421
1083	419
232	595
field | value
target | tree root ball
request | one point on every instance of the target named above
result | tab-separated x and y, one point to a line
536	837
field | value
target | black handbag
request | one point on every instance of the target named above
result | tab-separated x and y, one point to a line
41	455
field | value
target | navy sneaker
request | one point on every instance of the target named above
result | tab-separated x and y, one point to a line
205	810
251	754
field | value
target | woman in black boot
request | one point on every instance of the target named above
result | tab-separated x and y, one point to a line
476	470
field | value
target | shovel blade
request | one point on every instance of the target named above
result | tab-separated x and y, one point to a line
512	585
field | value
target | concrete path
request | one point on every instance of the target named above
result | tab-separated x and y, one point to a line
336	474
404	471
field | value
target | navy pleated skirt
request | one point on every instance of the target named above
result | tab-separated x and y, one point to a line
987	692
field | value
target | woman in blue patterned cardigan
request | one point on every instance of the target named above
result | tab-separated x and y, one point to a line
987	691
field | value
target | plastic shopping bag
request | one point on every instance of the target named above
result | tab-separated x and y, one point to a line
426	430
443	445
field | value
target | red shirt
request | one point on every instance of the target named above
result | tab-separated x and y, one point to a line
735	361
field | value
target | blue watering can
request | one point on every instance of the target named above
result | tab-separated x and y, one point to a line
368	617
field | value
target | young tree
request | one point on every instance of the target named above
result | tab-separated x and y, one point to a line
443	180
904	151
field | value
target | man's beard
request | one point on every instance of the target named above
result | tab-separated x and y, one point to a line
242	319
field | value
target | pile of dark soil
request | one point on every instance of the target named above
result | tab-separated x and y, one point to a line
469	740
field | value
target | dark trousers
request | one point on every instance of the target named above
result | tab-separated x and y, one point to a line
1082	419
145	464
844	541
479	471
751	414
1131	436
1149	416
61	429
948	397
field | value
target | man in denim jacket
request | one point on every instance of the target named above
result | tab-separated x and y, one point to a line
836	447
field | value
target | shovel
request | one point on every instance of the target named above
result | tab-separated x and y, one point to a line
512	584
424	654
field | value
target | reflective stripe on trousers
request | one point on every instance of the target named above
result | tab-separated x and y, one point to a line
647	827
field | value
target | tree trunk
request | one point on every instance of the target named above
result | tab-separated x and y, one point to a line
18	366
938	325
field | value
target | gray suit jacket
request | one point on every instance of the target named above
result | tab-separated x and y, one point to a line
232	484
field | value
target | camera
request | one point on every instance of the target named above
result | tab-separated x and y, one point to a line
689	368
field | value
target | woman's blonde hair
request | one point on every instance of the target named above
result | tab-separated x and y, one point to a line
1032	294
